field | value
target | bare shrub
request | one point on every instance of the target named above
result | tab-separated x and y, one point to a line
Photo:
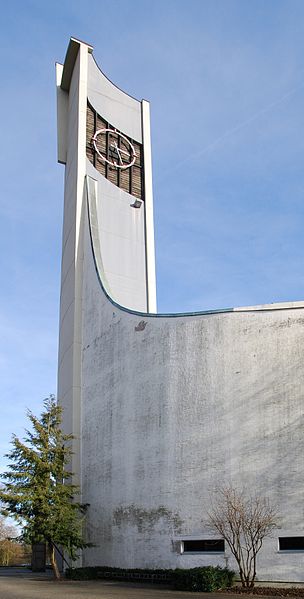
243	522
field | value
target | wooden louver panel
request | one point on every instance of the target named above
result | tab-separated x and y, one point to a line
129	179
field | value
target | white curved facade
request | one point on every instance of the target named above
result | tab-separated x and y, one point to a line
165	408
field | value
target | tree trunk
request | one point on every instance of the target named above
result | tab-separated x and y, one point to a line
241	575
54	562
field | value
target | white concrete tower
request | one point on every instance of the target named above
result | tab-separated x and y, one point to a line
104	142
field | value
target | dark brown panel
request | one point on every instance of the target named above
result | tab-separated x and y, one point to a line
136	182
137	149
90	154
101	123
129	179
100	166
101	144
125	180
112	175
90	124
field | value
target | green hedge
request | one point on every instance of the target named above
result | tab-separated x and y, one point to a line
203	579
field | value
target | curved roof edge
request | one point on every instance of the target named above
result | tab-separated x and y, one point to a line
114	84
69	62
91	206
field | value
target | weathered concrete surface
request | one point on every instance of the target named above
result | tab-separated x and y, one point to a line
172	408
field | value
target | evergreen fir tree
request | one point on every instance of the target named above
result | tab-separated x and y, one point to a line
38	492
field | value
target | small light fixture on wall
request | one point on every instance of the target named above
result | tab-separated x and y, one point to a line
137	204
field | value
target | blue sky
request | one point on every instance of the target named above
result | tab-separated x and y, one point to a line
226	83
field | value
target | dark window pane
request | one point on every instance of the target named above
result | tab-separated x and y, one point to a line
207	545
291	543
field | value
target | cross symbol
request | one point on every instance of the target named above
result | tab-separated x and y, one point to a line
119	152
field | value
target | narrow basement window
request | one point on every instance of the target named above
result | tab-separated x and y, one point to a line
204	546
291	543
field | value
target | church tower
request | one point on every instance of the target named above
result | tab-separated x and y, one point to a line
104	143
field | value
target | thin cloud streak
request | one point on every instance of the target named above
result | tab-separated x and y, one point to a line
230	132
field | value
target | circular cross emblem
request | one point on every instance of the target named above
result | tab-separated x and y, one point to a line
120	154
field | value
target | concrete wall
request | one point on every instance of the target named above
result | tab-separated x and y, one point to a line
126	234
123	244
173	407
114	105
69	359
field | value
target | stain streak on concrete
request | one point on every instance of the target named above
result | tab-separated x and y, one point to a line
141	326
145	519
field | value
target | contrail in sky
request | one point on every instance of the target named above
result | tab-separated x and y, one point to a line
252	118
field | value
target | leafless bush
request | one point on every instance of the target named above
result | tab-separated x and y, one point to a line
243	522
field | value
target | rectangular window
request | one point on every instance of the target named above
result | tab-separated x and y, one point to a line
291	543
204	546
